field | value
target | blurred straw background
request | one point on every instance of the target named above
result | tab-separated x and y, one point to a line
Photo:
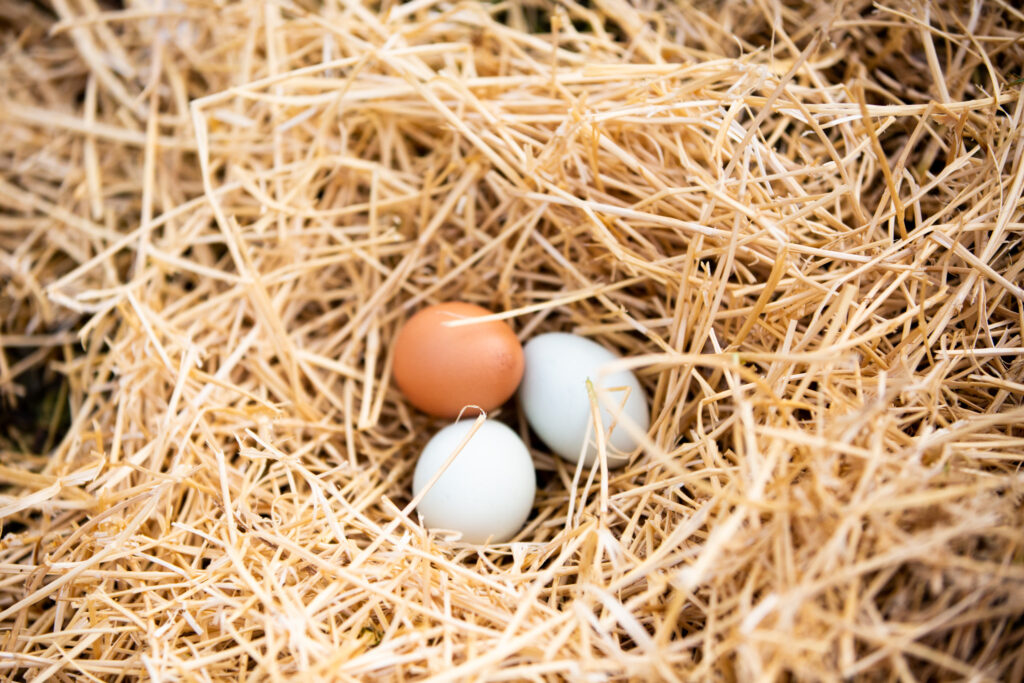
801	222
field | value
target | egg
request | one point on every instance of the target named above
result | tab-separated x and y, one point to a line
487	491
556	403
442	369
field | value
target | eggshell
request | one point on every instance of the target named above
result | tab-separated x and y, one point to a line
554	397
487	491
441	369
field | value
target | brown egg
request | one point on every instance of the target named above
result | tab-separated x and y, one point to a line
442	369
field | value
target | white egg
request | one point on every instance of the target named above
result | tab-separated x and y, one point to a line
487	491
554	397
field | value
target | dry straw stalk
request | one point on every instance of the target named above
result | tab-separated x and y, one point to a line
800	223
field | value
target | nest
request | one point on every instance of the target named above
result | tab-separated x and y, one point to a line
802	225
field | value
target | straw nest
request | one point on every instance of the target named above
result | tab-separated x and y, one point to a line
802	224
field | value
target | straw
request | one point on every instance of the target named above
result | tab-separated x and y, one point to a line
798	224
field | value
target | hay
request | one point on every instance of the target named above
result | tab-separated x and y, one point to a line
803	227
